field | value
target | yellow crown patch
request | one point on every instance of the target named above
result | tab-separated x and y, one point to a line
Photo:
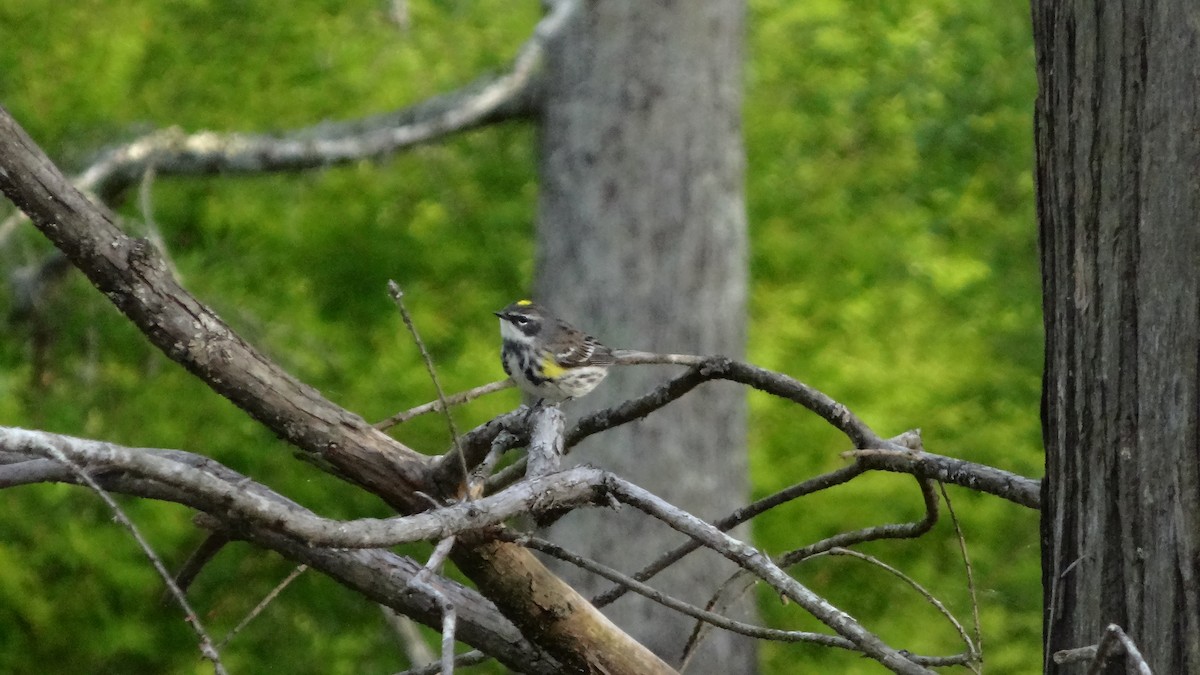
524	303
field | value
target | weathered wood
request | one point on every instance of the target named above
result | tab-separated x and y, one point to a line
1118	151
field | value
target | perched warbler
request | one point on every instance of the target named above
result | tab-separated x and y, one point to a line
548	357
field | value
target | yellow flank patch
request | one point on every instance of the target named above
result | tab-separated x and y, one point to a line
551	369
523	303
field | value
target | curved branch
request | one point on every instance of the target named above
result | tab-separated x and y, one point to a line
722	368
972	654
477	442
237	502
979	477
512	94
911	530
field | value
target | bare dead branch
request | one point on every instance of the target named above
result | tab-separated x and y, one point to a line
1076	655
877	532
647	591
979	477
476	443
721	368
742	515
1114	642
233	502
632	357
30	471
512	94
755	561
962	548
873	533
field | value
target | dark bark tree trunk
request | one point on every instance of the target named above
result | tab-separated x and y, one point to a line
1118	151
642	242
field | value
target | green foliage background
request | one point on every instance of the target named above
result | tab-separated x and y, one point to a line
894	266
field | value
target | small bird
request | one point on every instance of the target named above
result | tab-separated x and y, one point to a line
547	357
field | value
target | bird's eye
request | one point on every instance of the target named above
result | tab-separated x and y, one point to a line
520	320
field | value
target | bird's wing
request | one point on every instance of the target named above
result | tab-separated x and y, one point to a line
583	350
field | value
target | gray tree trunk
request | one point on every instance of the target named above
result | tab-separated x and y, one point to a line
1118	156
642	242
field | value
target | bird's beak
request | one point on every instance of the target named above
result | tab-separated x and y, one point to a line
499	314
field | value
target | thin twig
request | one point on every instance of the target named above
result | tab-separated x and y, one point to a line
470	658
449	617
258	609
962	547
207	649
478	478
703	628
731	521
874	533
915	585
750	558
146	204
632	357
204	553
398	298
624	357
436	406
409	635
